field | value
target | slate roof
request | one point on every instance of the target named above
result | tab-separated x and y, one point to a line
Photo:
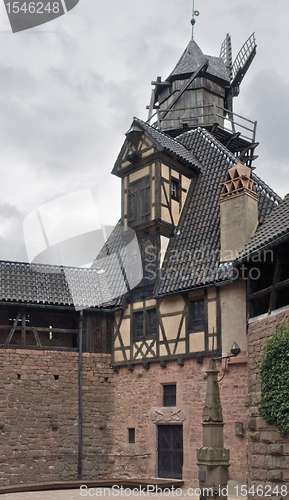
52	285
193	57
117	268
165	143
275	227
120	262
193	255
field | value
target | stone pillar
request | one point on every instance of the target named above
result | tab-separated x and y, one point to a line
213	458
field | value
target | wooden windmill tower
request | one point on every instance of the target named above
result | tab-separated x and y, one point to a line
199	92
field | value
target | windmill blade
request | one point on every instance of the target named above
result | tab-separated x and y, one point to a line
226	55
151	105
243	60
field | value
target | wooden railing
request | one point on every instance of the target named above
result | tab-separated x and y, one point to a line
35	331
206	116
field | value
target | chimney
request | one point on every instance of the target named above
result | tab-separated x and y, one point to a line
238	211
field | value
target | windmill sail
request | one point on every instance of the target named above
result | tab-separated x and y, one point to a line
243	60
239	68
226	54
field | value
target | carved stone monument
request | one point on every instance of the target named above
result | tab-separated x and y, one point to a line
213	458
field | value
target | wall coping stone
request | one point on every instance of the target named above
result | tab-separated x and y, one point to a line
267	315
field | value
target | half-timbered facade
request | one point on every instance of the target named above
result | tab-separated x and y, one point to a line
176	311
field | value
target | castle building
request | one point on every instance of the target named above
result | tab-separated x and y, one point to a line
193	206
197	208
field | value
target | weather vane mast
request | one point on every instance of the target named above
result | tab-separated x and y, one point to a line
193	21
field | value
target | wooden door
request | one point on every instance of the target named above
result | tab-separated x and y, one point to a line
170	451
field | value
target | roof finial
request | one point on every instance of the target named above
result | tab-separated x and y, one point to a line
195	13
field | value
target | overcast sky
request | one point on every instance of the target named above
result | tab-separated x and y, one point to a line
70	88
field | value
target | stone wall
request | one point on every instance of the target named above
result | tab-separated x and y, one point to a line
39	416
268	452
139	405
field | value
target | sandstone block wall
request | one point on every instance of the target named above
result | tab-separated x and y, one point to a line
139	394
39	416
268	452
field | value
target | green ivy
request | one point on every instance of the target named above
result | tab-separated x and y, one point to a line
274	372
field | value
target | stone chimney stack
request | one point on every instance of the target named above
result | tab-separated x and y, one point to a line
238	211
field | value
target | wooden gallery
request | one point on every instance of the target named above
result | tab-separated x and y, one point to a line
213	240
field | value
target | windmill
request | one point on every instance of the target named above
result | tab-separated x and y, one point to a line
199	92
237	69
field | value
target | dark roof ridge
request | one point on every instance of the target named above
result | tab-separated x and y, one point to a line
158	131
36	265
266	188
212	140
189	156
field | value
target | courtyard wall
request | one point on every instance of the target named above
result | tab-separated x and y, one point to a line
268	452
39	416
139	405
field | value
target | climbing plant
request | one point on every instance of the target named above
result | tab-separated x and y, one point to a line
274	372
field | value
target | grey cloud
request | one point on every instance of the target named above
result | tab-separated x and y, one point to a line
270	104
7	211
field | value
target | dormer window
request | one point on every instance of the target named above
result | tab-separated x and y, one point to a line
175	189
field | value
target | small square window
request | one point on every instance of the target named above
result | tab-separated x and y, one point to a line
131	435
170	395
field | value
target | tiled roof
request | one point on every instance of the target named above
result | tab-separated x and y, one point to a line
117	268
43	284
275	226
120	260
166	143
193	57
268	198
193	256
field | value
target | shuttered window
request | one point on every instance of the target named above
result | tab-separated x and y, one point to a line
139	201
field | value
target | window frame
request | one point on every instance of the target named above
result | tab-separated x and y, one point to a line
176	196
195	328
166	396
131	435
146	330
